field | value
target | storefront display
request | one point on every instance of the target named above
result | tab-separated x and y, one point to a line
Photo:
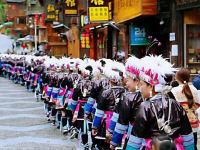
192	43
101	44
193	48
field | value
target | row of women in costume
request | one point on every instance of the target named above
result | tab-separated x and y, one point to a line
20	72
133	106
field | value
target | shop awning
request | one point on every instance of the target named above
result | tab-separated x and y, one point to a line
28	38
101	25
6	24
91	26
59	25
112	24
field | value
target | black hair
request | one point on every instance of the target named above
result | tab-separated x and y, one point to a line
102	63
168	78
89	68
163	142
174	83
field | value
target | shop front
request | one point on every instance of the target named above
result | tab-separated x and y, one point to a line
100	29
192	40
190	12
133	18
98	42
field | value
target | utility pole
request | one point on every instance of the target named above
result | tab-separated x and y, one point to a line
35	28
35	36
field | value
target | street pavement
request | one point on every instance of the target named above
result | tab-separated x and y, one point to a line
23	125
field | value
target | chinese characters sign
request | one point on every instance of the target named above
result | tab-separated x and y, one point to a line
71	7
50	11
97	2
100	10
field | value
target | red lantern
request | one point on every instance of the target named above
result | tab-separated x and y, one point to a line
36	19
43	19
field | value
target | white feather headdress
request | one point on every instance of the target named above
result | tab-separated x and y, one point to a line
89	62
155	69
73	63
114	70
133	67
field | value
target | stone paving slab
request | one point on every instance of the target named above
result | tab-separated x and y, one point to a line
11	93
20	104
11	112
5	134
53	132
23	122
42	131
22	110
14	98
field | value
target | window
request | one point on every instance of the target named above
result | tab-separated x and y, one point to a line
21	20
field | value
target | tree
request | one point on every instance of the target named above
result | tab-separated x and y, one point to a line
2	12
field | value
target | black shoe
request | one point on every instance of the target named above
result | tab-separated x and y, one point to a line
48	117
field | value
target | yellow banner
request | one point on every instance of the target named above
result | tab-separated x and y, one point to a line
98	13
127	9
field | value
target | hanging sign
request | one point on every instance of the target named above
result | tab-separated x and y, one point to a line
71	7
138	36
174	51
50	11
100	10
84	20
172	36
